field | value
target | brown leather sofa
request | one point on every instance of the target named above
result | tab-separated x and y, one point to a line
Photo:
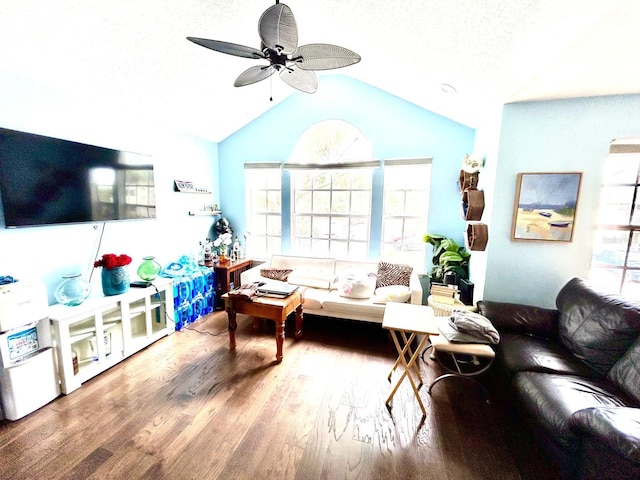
573	374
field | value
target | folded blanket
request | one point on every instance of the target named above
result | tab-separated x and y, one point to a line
473	325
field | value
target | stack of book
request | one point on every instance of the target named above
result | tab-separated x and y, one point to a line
444	293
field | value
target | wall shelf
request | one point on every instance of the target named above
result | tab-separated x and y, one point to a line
201	213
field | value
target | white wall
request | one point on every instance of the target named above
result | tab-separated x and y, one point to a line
47	253
551	136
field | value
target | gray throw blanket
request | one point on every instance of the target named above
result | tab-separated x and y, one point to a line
470	327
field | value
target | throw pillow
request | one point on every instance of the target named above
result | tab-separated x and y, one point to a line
276	273
392	293
393	274
356	284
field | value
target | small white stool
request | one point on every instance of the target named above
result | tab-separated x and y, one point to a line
464	360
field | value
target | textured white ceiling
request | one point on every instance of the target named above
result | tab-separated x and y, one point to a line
133	55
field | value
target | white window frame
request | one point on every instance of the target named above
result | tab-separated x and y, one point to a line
323	241
615	263
263	240
405	245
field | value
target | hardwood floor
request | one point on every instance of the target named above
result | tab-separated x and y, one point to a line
188	408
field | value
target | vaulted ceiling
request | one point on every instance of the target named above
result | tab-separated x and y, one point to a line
133	56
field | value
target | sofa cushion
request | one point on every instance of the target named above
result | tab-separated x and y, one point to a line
518	353
306	278
276	273
625	374
551	400
392	293
335	303
356	283
313	298
393	274
596	327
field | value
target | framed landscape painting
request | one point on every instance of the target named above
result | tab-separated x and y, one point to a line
545	206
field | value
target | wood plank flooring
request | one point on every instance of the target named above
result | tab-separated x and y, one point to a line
188	408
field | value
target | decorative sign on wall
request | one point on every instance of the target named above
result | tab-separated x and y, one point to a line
545	206
185	186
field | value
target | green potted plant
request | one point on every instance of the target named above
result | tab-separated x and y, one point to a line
448	256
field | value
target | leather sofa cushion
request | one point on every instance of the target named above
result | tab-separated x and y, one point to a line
333	302
597	328
550	400
617	428
625	374
517	353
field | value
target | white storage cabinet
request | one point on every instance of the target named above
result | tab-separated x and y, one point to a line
102	331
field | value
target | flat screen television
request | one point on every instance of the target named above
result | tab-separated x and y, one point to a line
48	181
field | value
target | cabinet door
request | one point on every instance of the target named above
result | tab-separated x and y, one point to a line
87	345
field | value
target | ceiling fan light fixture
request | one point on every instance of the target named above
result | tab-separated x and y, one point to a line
278	33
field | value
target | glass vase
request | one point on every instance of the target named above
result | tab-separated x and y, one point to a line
149	269
72	291
115	281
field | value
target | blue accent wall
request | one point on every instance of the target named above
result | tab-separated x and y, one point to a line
551	136
396	129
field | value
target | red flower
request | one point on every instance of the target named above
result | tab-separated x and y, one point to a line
110	261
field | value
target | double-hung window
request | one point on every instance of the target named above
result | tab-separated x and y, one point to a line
405	207
264	209
615	264
331	212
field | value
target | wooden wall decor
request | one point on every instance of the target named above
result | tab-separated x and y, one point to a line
467	180
477	236
472	204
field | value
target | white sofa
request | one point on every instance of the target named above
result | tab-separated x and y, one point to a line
322	282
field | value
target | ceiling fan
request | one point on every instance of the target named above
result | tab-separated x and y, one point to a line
295	64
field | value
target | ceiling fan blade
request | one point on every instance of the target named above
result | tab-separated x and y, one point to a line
254	74
323	56
303	80
278	29
227	47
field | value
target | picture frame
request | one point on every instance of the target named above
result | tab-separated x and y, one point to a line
545	206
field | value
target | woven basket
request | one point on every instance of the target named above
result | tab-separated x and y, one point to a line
445	309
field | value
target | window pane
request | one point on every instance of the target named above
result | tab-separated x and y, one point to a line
322	181
274	226
302	226
341	180
610	248
394	203
273	201
359	229
339	228
615	205
621	168
303	202
340	202
320	227
415	204
361	203
321	202
339	249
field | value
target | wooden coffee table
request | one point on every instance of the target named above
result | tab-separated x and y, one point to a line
276	309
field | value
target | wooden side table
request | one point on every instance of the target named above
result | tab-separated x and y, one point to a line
276	309
228	276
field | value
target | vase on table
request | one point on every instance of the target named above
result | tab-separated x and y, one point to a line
115	280
72	291
149	269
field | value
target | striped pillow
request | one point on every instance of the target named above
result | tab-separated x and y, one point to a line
276	273
393	274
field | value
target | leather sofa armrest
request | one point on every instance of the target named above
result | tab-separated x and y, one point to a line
519	318
615	427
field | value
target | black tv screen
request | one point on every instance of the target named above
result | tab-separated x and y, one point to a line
47	181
